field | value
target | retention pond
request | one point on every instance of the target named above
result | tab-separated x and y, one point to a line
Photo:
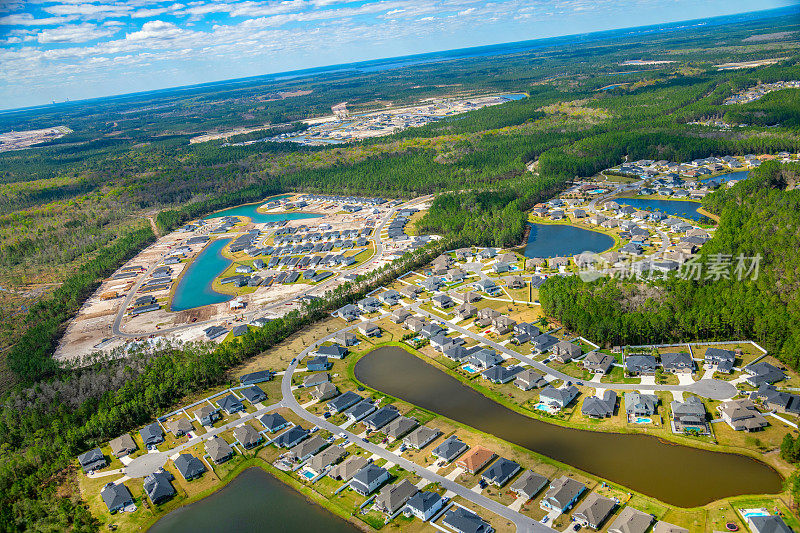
678	475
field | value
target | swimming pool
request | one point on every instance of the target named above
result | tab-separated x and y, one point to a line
546	408
749	513
597	191
470	369
643	420
308	475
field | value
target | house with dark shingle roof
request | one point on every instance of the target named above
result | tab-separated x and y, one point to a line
291	437
123	445
247	436
218	449
767	524
421	437
369	479
254	394
344	401
399	427
562	494
594	510
381	417
92	460
637	404
391	498
631	520
318	364
558	398
152	434
677	363
462	520
763	372
334	351
641	365
116	496
189	466
307	448
158	486
450	449
565	351
424	505
528	485
781	401
595	407
722	359
599	363
207	414
530	379
500	472
273	422
230	404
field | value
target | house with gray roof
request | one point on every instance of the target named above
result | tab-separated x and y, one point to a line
247	436
333	351
207	414
485	358
158	486
360	410
594	510
381	417
345	470
325	458
152	434
641	365
92	460
595	407
424	505
116	496
562	494
666	527
230	404
528	485
599	363
399	427
631	520
767	524
500	472
400	315
501	374
442	301
324	391
218	449
369	479
638	404
565	351
273	422
543	343
312	380
180	426
189	466
772	398
722	359
689	415
254	394
392	498
303	450
462	520
558	398
450	449
677	363
291	437
123	445
530	379
763	372
421	437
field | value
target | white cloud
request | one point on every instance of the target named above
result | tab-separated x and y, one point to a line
158	30
26	19
90	11
74	33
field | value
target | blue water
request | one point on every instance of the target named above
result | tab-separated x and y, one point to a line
678	208
250	211
194	288
558	240
724	178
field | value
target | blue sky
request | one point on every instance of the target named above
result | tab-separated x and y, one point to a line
59	49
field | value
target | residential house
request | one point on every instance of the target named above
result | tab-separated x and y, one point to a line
640	405
543	343
369	479
256	377
392	498
116	496
641	365
254	394
780	401
180	426
594	510
231	404
677	363
486	315
530	379
722	359
207	414
500	472
454	275
421	437
465	311
390	297
450	449
189	466
348	312
599	363
273	422
332	351
399	427
152	434
369	329
344	402
218	449
528	485
485	285
767	524
442	301
466	297
631	520
158	486
742	415
92	460
247	436
326	458
763	372
291	437
500	374
312	380
689	415
324	391
524	332
400	315
558	398
462	520
503	324
562	494
123	445
424	505
361	410
595	407
347	338
485	358
499	267
666	527
475	459
381	417
369	304
414	324
350	467
318	364
305	449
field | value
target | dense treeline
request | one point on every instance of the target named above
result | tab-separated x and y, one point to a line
758	217
31	357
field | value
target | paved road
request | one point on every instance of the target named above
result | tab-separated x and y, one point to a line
522	522
250	315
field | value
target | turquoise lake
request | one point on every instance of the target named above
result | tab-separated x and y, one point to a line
724	178
678	208
194	288
558	240
250	211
